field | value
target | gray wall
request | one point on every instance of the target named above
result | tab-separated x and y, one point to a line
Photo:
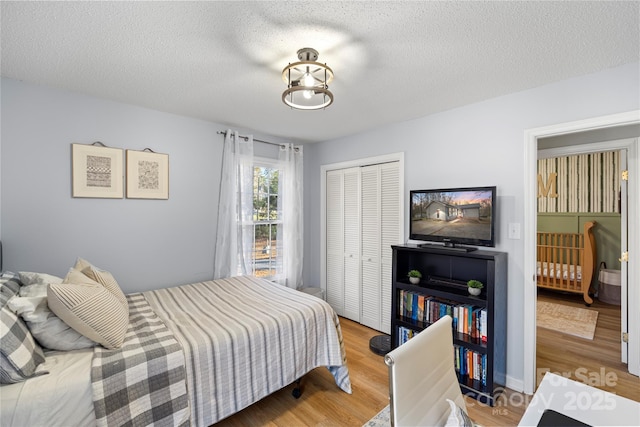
145	243
479	144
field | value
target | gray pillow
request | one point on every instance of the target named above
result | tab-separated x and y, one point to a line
20	354
9	286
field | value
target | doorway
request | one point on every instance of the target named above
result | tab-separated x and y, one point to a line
583	185
530	291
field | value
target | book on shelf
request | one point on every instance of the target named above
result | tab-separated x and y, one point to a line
467	319
470	363
408	304
483	326
420	311
405	334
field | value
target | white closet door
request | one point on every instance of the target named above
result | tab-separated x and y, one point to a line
390	232
363	220
370	237
351	203
335	240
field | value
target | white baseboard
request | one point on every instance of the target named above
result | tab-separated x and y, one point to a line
515	384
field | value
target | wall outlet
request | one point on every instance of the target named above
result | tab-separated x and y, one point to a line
514	230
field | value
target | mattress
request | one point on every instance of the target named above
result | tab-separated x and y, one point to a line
61	398
559	271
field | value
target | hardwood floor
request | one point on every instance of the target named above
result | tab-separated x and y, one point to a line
323	404
596	362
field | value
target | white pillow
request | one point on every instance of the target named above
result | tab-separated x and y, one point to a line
30	278
33	291
458	417
35	284
47	328
103	277
31	309
89	308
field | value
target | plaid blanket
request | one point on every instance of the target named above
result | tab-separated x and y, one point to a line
143	382
245	338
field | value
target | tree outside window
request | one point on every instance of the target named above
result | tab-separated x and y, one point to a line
266	221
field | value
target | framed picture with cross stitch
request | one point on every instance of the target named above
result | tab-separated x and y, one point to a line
96	171
147	175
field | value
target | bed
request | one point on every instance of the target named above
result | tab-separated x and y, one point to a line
192	355
567	261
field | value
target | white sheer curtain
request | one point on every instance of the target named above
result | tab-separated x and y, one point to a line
234	237
290	157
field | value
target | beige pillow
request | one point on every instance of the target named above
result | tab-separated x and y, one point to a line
89	308
103	277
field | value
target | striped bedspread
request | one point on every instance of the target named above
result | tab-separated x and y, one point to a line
245	338
143	383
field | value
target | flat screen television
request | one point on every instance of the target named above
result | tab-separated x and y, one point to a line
454	216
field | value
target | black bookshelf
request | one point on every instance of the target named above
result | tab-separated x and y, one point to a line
444	277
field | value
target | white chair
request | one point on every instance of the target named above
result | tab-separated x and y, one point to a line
422	377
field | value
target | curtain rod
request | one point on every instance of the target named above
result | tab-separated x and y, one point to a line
246	138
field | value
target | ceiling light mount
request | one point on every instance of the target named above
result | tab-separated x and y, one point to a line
307	82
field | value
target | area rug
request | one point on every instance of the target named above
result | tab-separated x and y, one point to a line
382	419
579	322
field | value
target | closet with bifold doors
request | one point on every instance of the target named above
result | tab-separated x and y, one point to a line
363	218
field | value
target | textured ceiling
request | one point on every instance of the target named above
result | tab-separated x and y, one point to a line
393	61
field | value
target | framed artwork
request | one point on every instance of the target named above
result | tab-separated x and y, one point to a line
96	171
147	175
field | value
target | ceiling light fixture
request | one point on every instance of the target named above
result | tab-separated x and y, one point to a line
307	82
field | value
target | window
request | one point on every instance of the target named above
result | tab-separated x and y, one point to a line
260	220
267	221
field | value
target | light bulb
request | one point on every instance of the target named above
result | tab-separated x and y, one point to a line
308	80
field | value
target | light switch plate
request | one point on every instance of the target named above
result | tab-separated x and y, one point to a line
514	230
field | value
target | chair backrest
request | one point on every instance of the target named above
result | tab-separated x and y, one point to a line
422	376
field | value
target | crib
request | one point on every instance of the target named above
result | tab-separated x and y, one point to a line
567	261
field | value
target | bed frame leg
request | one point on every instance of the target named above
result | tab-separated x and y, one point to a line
297	391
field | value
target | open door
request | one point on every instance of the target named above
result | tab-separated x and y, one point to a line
624	249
